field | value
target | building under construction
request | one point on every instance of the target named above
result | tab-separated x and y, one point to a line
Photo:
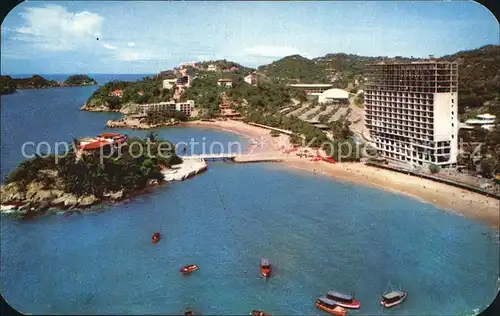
411	111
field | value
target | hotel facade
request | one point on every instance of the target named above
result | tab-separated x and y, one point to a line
184	107
411	111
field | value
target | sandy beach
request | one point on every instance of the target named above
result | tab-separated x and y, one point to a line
447	197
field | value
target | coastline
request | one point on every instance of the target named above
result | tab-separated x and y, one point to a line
446	197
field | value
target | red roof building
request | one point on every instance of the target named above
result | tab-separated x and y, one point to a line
116	93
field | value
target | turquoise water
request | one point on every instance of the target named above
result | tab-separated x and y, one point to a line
320	234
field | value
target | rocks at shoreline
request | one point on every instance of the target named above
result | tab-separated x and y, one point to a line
137	123
35	198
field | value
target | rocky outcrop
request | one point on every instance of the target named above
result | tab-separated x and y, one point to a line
97	105
137	123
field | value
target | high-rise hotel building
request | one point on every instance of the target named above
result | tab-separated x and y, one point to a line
411	111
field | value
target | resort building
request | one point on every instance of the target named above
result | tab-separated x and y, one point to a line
312	88
486	121
212	67
185	107
105	140
116	93
251	79
227	83
193	64
169	83
226	109
411	111
183	81
334	96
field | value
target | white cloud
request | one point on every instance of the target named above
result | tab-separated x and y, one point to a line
271	51
131	44
108	46
129	56
54	28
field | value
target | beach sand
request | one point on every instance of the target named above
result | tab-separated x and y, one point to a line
460	201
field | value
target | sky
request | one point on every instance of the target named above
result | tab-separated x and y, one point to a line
62	37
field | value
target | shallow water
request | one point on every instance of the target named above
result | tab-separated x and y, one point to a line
319	233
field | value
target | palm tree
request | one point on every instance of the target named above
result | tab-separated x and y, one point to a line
152	137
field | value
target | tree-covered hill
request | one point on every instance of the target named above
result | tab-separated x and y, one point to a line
7	85
79	80
479	72
294	69
478	78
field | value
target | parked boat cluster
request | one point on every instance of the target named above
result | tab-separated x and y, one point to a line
333	302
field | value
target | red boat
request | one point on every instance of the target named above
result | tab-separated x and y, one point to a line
259	313
330	306
393	298
189	269
329	159
344	300
156	237
265	268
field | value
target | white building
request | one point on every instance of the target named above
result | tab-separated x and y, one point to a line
486	121
185	107
212	67
227	83
251	79
333	96
411	111
169	83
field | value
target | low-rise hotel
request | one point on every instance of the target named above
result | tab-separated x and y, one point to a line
185	107
411	111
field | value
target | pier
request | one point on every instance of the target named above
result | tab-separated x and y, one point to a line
238	158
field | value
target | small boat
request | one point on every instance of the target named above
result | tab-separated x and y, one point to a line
265	268
156	237
259	313
188	269
188	312
344	300
393	298
329	306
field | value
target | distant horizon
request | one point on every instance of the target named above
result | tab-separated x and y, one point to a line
82	36
200	61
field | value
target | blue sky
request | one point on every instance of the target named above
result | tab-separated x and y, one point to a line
147	37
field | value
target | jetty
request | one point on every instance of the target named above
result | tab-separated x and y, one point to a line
234	157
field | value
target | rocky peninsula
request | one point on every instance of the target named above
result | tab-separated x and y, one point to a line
79	180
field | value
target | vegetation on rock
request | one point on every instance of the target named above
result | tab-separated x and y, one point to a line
79	80
91	177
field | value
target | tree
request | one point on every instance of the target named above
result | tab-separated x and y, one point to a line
434	168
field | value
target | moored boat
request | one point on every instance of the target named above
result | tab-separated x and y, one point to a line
156	237
259	313
344	300
329	306
265	268
393	298
189	269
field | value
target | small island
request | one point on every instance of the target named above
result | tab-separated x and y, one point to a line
79	80
104	169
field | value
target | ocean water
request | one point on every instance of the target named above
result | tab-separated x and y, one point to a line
319	234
